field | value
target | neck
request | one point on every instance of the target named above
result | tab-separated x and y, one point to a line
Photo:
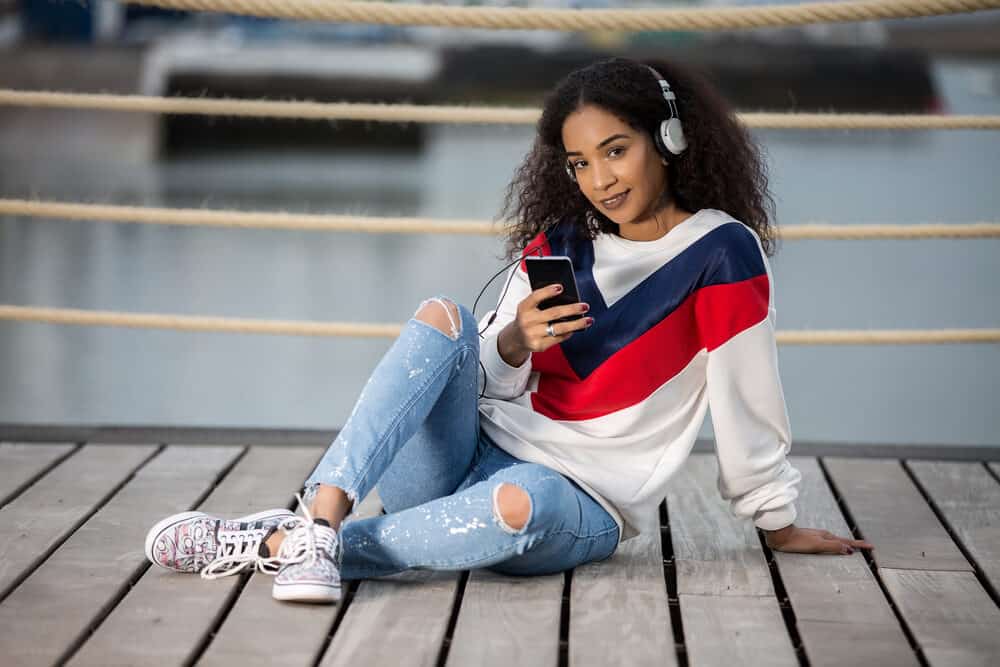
656	226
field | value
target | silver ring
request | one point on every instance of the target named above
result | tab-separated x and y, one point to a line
549	330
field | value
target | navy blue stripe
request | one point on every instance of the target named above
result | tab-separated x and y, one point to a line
727	254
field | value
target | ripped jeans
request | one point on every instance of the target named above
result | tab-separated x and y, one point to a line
414	435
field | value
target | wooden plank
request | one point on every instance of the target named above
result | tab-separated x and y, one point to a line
618	608
952	618
831	644
715	553
893	516
735	630
396	621
839	608
507	620
22	464
34	523
968	497
54	608
260	631
173	612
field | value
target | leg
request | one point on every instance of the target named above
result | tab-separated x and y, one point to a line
414	428
523	519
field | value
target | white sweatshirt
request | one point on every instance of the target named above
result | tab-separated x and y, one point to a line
680	324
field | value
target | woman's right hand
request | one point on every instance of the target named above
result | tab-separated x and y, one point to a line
527	332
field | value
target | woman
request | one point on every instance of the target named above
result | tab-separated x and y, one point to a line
530	447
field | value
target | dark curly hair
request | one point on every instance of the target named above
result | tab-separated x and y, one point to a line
722	167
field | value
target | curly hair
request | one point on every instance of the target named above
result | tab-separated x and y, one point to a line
722	167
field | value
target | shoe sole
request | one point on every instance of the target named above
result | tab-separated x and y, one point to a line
316	593
175	519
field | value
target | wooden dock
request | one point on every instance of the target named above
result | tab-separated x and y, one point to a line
702	590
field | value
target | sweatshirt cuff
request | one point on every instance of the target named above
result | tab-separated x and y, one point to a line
776	519
499	371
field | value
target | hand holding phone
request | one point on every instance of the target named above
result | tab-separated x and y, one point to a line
554	270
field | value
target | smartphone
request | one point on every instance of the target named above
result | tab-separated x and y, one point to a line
544	271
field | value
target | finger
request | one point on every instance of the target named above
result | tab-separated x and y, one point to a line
541	294
569	310
860	544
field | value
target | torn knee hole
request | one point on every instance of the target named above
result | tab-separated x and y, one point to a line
511	507
444	316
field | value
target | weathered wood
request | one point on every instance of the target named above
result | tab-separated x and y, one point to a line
735	630
400	620
893	516
260	631
830	644
618	609
34	523
715	553
968	497
506	620
173	612
21	465
54	608
835	598
952	618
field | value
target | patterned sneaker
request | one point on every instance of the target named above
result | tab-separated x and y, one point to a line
215	547
309	561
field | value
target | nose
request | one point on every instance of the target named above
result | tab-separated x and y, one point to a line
603	176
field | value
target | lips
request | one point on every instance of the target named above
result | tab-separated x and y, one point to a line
616	201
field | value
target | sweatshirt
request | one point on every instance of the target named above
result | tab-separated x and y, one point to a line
681	323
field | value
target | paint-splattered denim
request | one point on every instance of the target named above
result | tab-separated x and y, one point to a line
414	432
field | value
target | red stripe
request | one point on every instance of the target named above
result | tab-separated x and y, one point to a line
537	245
706	319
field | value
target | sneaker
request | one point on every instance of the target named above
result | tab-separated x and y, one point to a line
308	561
198	542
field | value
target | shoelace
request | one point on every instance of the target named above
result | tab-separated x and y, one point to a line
302	542
225	565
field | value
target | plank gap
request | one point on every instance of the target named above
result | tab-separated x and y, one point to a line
784	604
870	560
350	589
453	620
17	581
41	473
140	572
670	574
989	471
564	620
976	569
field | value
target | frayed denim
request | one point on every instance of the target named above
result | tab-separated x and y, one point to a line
414	435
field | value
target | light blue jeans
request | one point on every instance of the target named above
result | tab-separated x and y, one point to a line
414	433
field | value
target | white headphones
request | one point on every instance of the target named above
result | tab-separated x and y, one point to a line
669	139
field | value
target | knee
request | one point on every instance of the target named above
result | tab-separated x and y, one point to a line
442	314
512	507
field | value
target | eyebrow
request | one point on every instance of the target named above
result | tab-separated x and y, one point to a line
602	144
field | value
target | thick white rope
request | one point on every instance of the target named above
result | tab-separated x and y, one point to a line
416	113
194	217
506	18
364	330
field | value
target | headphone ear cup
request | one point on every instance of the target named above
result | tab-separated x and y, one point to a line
672	136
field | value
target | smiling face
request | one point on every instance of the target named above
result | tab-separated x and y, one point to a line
612	159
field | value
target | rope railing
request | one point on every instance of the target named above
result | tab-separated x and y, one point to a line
508	18
192	217
454	114
189	323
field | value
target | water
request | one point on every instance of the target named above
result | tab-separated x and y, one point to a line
873	394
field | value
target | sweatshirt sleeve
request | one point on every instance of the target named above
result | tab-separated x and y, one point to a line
503	380
736	321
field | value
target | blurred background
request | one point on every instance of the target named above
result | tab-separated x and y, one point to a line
935	394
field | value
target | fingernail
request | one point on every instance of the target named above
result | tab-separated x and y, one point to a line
558	288
590	320
586	307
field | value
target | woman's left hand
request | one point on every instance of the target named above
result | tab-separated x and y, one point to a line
812	541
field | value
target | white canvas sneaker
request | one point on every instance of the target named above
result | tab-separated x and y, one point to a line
198	542
308	561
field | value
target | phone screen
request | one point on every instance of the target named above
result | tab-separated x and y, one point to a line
544	271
